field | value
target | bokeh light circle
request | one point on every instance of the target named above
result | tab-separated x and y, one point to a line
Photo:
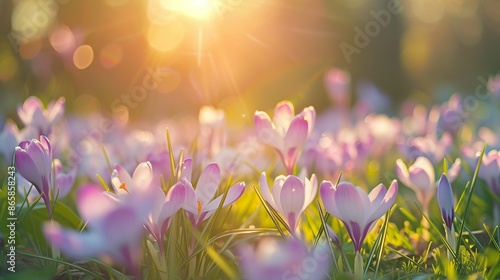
111	55
83	56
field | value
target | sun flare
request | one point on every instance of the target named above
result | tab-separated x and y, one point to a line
198	9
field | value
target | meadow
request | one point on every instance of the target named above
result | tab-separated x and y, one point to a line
346	193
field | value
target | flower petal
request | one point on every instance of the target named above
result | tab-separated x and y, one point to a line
76	245
292	199
208	183
264	190
187	169
327	194
266	132
93	203
233	194
454	170
386	203
351	204
296	135
402	172
445	200
283	115
143	175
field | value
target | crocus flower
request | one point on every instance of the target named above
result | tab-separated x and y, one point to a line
273	258
447	205
420	178
34	161
200	203
490	170
290	196
338	85
63	183
141	179
164	207
162	171
114	229
32	113
445	200
286	133
357	210
428	146
451	115
9	139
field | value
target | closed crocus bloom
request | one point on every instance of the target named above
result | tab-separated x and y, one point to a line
200	203
421	179
290	196
357	210
286	133
32	113
445	200
63	184
34	162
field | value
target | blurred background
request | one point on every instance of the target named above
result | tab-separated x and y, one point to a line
151	59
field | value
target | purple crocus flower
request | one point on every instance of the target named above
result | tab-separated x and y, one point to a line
164	207
290	196
272	258
34	162
32	113
338	85
445	200
421	179
63	183
200	203
140	180
286	133
357	210
490	170
114	229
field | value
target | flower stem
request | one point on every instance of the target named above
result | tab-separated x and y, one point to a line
450	237
358	266
496	213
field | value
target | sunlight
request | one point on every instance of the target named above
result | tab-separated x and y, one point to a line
198	9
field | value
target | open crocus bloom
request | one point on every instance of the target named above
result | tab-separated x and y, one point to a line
34	161
421	179
114	229
357	210
290	195
286	133
123	183
200	203
445	200
32	113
